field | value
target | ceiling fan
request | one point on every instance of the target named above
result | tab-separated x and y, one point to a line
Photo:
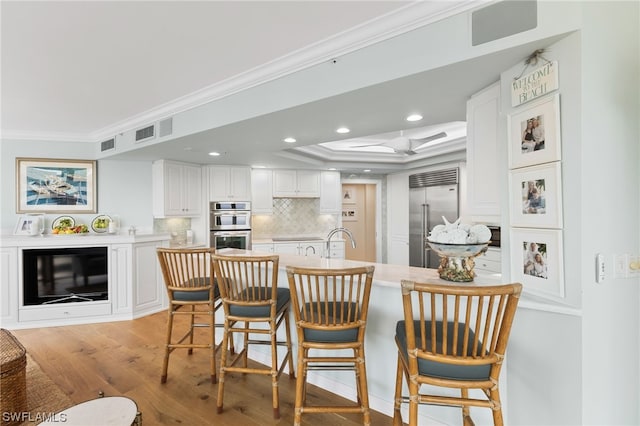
405	145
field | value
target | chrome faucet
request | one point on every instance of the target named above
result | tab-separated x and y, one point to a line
306	251
335	231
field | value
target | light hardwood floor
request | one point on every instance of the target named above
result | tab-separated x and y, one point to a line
125	358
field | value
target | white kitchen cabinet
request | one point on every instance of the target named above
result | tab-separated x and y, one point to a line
398	218
300	248
176	189
9	287
336	249
330	193
121	278
264	247
483	158
261	191
229	183
149	293
489	262
296	183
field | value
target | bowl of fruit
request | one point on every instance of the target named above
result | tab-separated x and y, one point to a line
70	230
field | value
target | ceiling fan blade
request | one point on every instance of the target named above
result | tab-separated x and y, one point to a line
430	138
368	145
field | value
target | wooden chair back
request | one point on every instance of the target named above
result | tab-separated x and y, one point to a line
247	281
474	321
330	299
187	270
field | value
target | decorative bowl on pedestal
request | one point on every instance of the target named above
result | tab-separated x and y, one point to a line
456	260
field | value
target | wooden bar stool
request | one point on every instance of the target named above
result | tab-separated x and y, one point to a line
453	336
192	292
330	309
253	305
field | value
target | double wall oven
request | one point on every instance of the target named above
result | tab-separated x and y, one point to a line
230	223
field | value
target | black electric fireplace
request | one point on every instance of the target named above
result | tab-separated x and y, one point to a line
65	275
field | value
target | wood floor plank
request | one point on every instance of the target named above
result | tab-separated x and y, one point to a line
125	358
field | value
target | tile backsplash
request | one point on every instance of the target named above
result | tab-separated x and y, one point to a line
293	216
175	226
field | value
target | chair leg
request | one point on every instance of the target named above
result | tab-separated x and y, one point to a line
167	351
362	386
223	363
245	356
287	325
191	327
466	415
413	403
497	412
274	370
300	386
397	415
212	336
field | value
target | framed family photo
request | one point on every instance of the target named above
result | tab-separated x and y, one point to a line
349	215
535	195
537	261
534	133
55	186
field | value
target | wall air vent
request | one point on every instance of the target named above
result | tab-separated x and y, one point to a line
108	145
145	133
165	127
440	177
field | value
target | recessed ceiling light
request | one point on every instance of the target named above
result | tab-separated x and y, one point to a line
414	117
214	154
366	170
259	167
343	130
289	140
332	168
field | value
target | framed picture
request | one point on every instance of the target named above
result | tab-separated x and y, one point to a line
534	133
537	262
55	186
348	195
30	225
349	215
536	196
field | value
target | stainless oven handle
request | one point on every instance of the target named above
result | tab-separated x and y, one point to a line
230	234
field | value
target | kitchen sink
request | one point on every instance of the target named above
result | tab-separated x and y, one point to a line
284	239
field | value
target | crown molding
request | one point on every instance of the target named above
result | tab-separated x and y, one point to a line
45	136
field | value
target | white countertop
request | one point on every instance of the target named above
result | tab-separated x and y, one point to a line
50	240
385	274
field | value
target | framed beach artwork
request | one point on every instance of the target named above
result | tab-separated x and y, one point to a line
536	196
537	261
534	133
348	195
55	186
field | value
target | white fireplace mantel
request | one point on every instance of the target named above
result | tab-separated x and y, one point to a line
136	286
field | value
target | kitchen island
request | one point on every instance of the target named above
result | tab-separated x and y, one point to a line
385	309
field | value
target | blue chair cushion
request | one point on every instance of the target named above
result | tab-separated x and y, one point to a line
438	369
283	297
197	296
326	317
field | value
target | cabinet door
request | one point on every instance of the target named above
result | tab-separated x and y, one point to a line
336	250
308	183
482	155
149	294
240	183
284	183
9	288
192	189
219	184
330	193
261	191
286	248
264	247
173	190
120	266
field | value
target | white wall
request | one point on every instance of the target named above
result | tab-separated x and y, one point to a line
123	188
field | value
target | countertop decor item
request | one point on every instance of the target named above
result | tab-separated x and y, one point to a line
100	224
458	245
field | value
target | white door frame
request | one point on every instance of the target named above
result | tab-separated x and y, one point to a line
378	184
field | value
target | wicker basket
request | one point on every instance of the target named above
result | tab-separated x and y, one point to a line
13	379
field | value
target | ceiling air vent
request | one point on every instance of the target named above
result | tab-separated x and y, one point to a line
440	177
165	127
145	133
108	145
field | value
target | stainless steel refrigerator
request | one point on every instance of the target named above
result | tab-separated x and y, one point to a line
432	195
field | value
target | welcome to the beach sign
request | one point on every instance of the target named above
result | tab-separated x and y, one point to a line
535	84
